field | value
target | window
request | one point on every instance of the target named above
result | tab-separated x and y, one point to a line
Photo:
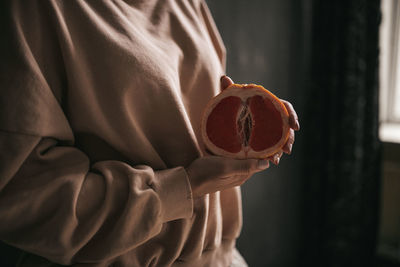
390	72
389	232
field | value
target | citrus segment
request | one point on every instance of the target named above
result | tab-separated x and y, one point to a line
222	127
267	129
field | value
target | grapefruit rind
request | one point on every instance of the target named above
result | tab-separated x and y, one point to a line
245	91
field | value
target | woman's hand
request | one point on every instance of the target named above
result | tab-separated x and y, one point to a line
213	173
293	123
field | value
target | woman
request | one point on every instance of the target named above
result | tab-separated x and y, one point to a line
101	159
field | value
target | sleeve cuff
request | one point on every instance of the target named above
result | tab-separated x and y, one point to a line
173	188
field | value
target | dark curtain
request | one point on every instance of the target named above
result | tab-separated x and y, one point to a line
340	127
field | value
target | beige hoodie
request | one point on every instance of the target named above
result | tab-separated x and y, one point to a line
100	111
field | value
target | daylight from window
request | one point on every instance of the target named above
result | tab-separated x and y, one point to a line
390	72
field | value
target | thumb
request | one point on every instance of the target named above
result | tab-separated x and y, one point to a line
247	166
225	82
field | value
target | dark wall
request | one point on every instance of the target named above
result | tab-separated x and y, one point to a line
268	43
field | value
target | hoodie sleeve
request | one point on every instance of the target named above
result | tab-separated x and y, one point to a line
54	204
53	201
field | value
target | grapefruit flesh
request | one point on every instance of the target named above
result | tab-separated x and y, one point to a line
267	129
222	127
245	121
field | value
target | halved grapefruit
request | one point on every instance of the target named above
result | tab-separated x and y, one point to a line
245	121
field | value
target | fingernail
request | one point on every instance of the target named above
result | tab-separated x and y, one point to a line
290	148
297	125
276	159
263	164
222	77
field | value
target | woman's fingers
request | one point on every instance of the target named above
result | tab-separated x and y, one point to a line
293	118
212	173
275	158
229	166
287	148
247	166
225	82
